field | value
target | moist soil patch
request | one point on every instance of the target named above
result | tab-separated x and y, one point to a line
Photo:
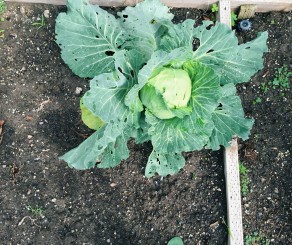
42	201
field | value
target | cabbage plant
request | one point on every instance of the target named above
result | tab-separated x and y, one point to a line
153	80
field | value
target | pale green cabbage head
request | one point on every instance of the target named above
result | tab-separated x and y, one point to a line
167	94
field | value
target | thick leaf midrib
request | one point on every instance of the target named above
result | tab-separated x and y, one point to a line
229	117
95	28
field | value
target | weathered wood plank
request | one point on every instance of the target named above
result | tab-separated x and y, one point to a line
233	195
231	164
262	5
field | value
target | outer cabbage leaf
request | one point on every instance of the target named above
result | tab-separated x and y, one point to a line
164	163
115	152
108	146
219	49
88	37
105	100
89	119
107	91
177	135
206	89
229	120
85	155
145	24
177	36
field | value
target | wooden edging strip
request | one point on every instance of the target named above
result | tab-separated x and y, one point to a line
262	5
231	164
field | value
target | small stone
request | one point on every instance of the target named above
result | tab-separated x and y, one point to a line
13	35
22	10
78	90
276	190
29	137
113	184
47	13
54	200
214	225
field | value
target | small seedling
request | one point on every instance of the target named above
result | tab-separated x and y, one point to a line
2	33
37	211
40	24
272	22
176	241
264	87
233	18
194	176
2	7
243	171
215	8
257	100
282	78
228	228
281	81
256	239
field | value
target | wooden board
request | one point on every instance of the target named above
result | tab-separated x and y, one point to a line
262	5
231	164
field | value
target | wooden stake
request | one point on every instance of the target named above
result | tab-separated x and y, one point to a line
231	165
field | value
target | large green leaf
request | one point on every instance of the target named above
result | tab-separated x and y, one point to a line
145	24
86	154
177	36
107	91
177	135
206	89
219	49
108	146
88	37
164	163
115	152
229	120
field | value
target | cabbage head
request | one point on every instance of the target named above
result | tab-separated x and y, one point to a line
168	93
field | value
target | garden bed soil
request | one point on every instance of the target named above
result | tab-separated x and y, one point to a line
42	201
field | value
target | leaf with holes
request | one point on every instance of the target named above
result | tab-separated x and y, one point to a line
88	37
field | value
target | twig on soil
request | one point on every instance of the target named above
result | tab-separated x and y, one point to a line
41	106
13	171
32	220
266	73
1	130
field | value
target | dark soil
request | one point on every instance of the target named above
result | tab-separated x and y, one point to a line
42	201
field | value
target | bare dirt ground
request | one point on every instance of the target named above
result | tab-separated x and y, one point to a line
42	201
